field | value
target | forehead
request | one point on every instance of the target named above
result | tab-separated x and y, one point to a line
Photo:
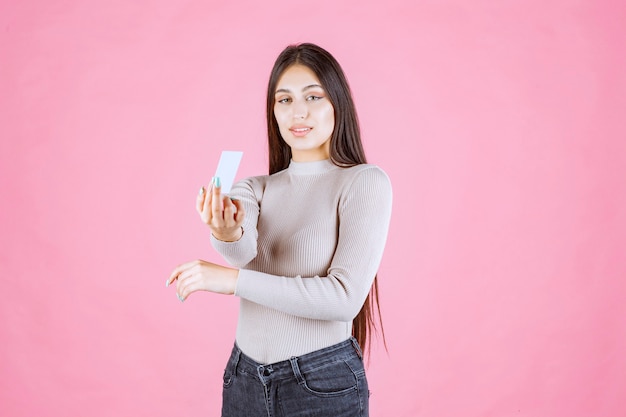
297	77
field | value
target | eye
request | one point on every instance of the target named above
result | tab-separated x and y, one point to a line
283	100
314	98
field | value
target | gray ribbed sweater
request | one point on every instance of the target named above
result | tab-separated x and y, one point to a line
313	239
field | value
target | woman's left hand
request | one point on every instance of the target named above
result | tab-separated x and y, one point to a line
201	275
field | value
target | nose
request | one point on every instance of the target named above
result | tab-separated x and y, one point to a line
300	110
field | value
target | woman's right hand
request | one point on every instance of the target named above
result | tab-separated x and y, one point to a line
221	213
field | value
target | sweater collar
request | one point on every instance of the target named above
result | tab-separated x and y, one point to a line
311	168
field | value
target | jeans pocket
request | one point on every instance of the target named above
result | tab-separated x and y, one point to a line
228	378
333	379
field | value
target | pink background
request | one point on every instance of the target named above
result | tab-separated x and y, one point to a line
501	125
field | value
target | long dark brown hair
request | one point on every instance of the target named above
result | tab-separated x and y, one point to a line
346	149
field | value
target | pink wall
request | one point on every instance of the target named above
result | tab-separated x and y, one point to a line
501	125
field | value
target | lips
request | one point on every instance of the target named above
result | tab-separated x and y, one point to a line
300	131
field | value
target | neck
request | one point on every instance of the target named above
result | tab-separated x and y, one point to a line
311	167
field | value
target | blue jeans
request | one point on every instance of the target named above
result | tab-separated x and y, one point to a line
327	382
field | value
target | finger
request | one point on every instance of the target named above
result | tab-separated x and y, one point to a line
206	206
185	278
177	272
241	213
180	289
200	199
230	211
186	290
186	274
216	203
173	276
188	280
171	279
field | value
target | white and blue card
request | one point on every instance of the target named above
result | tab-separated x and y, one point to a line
227	169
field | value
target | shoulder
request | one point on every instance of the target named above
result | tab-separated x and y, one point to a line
251	186
367	174
365	184
370	169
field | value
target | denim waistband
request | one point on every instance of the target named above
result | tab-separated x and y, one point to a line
243	364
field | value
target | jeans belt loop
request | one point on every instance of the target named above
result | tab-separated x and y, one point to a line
296	370
357	348
236	361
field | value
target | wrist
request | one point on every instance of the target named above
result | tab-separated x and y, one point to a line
229	238
234	276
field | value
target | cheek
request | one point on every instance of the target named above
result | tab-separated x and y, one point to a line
329	116
280	119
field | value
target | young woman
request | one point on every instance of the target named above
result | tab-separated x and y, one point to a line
305	243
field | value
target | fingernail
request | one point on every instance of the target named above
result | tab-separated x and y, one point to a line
217	182
180	298
233	199
167	283
201	190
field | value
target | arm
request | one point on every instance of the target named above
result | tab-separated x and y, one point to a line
364	214
243	249
227	219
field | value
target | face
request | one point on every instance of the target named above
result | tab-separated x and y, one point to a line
305	115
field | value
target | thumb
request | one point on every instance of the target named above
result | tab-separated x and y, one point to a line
241	213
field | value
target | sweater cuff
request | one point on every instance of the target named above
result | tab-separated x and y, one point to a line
227	249
252	286
242	288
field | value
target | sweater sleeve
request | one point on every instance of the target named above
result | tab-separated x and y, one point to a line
364	215
242	251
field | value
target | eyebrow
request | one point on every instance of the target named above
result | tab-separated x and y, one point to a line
284	90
